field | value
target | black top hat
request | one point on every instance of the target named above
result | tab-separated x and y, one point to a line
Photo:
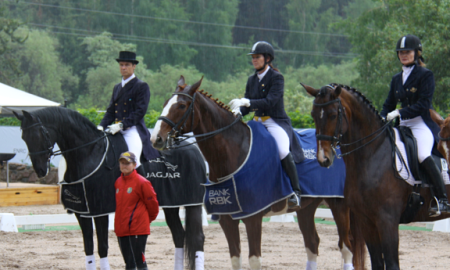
125	56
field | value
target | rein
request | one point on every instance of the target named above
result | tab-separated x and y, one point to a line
176	130
336	138
49	150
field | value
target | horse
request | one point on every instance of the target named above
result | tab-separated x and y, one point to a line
224	141
375	193
92	168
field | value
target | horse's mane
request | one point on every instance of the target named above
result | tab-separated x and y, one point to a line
360	96
216	100
64	118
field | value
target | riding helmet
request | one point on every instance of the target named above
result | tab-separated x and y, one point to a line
409	43
263	47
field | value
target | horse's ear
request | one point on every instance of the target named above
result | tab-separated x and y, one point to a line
337	91
18	116
28	115
195	86
313	92
181	81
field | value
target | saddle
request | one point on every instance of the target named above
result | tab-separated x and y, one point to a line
415	201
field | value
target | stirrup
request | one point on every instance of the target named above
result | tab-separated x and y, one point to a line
294	201
440	207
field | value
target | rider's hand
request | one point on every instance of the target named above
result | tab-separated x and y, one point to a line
392	115
237	111
100	128
114	128
238	102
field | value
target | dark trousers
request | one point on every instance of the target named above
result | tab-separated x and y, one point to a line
133	249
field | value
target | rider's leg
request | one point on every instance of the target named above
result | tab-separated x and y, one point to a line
287	161
425	144
134	143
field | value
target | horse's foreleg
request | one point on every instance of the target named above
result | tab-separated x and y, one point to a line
176	228
231	229
195	238
253	226
305	218
88	240
101	226
372	238
341	214
388	231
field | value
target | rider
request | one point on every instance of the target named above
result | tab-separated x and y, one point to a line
414	88
126	110
264	96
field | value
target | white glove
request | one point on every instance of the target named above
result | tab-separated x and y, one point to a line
238	102
100	128
114	128
392	115
237	111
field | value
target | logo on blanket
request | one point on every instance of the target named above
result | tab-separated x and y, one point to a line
72	198
219	196
163	175
168	165
310	153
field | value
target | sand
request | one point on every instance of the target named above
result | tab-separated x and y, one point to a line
282	248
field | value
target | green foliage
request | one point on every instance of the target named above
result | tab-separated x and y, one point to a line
301	120
9	121
375	33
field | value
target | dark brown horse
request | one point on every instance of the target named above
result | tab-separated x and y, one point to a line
376	196
192	110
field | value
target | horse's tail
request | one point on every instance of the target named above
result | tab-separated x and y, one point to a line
358	243
195	238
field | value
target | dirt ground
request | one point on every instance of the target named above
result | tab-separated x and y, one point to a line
282	248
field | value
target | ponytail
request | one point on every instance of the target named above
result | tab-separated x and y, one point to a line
420	60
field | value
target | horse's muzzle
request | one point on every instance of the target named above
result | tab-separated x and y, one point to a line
159	143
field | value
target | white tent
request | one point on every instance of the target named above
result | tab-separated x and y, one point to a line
12	99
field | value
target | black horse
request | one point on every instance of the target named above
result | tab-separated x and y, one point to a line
92	168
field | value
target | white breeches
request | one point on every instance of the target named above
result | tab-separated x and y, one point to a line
134	143
423	135
279	134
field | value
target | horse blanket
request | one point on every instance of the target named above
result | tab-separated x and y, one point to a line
261	181
94	195
177	176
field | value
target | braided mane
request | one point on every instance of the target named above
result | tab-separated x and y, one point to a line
216	100
360	96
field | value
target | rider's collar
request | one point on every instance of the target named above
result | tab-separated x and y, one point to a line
261	76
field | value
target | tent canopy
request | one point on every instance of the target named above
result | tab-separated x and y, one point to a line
12	99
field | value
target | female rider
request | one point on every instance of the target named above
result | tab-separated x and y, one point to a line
414	88
264	96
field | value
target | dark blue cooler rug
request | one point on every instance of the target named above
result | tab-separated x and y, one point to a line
261	181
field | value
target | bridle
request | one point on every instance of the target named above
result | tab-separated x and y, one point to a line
178	128
49	150
443	139
336	138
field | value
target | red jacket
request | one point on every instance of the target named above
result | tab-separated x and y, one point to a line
136	205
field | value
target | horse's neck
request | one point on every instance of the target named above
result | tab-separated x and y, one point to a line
226	151
84	159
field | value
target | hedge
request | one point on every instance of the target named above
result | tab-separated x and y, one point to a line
298	120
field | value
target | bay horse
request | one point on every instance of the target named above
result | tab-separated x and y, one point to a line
92	156
224	141
375	193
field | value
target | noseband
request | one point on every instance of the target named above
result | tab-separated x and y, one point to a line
336	138
443	139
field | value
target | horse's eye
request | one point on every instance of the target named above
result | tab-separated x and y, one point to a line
182	106
333	117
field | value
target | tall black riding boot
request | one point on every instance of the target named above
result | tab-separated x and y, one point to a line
437	181
140	170
288	165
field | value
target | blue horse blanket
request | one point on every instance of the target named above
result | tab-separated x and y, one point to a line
261	181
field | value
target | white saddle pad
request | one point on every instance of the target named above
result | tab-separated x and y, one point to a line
405	172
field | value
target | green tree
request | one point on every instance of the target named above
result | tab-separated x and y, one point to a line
42	72
375	33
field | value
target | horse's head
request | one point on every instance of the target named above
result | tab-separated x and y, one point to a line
39	140
177	116
444	138
328	114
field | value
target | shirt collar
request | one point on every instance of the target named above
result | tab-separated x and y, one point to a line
127	80
261	76
406	72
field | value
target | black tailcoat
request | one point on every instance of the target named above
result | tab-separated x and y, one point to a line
266	99
415	97
129	105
